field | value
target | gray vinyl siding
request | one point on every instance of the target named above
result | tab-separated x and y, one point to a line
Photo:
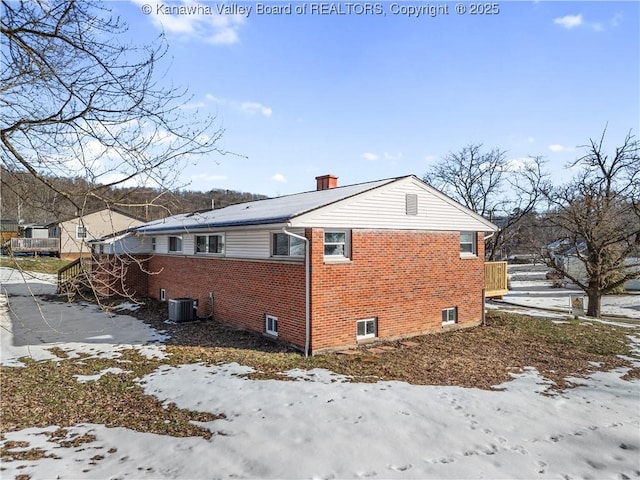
247	244
253	244
162	244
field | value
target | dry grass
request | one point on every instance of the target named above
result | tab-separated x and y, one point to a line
33	264
47	393
478	357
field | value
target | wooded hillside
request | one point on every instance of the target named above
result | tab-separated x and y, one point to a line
25	198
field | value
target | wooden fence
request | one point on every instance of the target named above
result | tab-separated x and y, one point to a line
495	279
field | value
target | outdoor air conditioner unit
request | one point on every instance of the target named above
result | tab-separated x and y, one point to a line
182	309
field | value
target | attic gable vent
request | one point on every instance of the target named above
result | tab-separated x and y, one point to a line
411	203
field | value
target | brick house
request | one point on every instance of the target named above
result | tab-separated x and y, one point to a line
320	270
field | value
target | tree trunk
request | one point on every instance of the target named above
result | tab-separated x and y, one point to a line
594	298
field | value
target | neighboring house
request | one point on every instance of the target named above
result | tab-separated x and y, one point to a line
566	256
8	230
75	233
32	230
320	270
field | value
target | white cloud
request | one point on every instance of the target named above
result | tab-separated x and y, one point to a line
251	108
369	156
255	107
515	164
556	148
278	177
204	23
573	21
394	157
569	21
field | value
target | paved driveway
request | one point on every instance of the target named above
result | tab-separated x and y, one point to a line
31	322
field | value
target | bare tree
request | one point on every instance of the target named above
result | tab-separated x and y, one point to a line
493	187
78	101
596	218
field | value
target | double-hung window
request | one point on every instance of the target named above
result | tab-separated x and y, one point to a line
336	244
81	232
210	243
283	245
175	244
468	243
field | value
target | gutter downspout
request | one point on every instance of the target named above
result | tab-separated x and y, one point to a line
307	289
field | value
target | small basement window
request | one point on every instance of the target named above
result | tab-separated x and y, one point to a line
163	294
271	325
449	316
367	328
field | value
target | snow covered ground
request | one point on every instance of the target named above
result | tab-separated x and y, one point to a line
321	426
529	287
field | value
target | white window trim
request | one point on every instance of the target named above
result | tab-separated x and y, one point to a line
223	240
274	321
169	244
272	238
474	244
367	335
347	245
82	228
163	295
455	315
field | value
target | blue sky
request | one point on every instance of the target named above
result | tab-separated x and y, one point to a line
366	97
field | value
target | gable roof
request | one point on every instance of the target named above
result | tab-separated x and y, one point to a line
260	212
300	206
98	210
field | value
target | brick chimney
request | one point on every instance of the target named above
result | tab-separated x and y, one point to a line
325	182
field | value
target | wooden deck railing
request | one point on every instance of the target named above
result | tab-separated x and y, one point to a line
495	279
35	245
69	273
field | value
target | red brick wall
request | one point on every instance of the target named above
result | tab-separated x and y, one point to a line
404	279
120	275
244	291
